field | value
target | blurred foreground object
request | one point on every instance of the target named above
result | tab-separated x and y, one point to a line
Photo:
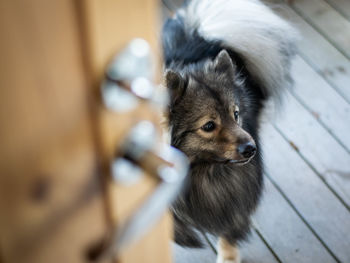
60	139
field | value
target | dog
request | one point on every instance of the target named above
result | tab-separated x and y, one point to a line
224	59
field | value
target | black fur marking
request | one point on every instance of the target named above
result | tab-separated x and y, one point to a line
185	47
181	47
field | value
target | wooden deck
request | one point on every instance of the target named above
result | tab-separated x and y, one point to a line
305	212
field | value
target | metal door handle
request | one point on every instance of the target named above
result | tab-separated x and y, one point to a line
127	82
128	79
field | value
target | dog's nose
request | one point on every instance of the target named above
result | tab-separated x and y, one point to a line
247	149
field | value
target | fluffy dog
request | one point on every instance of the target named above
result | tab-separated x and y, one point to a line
224	59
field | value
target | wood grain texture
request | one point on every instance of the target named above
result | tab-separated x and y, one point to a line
53	58
108	26
193	255
318	52
254	250
287	235
315	202
316	145
332	25
48	162
342	6
311	90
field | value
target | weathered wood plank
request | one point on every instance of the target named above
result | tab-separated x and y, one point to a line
342	6
283	229
327	20
255	251
325	104
286	233
193	255
315	144
318	52
310	196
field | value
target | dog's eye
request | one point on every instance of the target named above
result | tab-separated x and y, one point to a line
209	126
236	115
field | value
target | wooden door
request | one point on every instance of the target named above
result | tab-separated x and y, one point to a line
57	139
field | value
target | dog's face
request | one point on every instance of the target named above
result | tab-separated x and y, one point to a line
207	112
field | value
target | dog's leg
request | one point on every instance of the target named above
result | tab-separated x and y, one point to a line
227	253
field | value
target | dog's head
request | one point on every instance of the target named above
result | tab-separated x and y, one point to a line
207	112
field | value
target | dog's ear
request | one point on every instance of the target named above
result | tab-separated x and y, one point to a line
175	84
223	63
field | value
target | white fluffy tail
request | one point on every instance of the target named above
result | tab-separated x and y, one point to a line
251	29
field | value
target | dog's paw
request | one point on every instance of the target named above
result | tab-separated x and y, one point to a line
229	258
227	253
222	260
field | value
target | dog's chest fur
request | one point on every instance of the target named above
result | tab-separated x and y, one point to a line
221	197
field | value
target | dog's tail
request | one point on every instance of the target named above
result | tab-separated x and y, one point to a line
264	40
